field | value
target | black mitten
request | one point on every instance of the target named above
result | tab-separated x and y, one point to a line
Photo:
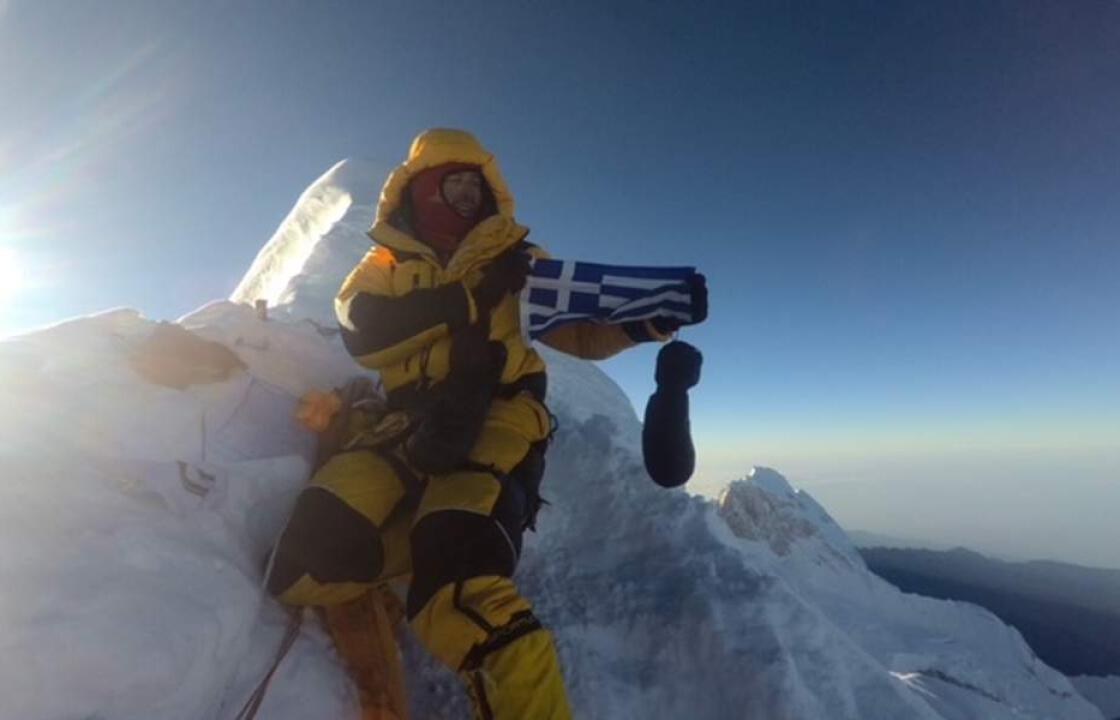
697	287
504	275
666	436
678	366
452	422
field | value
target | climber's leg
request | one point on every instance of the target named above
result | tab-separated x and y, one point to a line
339	540
462	603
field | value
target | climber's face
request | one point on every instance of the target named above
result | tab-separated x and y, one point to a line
463	192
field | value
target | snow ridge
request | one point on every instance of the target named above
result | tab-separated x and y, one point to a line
299	269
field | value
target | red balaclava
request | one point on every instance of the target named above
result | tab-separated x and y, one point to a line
437	224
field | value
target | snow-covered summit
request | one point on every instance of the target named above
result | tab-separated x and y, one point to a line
299	270
134	519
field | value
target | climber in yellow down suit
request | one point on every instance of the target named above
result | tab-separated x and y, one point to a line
447	495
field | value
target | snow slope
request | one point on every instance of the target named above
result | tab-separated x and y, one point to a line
134	520
1104	692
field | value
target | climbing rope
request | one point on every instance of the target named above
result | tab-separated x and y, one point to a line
295	618
253	704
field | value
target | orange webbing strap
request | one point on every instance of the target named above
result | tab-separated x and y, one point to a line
363	631
253	704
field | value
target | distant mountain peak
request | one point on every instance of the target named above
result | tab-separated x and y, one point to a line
764	508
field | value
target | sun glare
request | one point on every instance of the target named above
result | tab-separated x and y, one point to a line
11	275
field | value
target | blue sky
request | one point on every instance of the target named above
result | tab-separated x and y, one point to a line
908	211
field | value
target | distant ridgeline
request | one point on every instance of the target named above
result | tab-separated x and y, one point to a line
1070	615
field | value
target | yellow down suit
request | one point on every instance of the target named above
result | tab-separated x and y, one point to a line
369	514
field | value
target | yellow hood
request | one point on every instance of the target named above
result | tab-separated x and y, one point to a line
430	149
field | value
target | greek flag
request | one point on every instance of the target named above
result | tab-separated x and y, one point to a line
563	291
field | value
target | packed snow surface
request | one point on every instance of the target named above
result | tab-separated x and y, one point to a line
1104	692
135	520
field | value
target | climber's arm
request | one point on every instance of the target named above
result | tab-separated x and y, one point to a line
598	341
380	328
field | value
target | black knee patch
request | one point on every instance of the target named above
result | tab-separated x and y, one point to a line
453	545
328	540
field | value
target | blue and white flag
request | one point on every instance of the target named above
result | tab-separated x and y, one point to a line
563	291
